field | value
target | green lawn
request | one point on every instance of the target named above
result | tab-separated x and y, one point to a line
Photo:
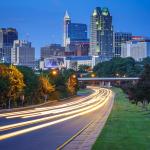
128	127
84	92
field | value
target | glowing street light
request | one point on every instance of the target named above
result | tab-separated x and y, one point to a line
93	75
117	74
124	76
54	72
74	76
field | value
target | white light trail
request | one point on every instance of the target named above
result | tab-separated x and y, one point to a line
36	110
97	101
16	133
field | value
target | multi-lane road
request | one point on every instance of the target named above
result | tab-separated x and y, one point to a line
46	128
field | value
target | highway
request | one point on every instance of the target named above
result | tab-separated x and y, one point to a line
46	128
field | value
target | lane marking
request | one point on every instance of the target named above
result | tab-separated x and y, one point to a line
74	136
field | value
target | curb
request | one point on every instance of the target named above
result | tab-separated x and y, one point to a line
74	136
99	126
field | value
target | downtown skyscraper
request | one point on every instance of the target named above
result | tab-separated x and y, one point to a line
7	38
74	34
101	34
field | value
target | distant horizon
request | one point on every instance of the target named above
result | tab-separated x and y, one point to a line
42	23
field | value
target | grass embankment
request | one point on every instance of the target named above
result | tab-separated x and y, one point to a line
83	92
128	127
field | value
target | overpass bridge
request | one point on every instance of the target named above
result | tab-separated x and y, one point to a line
107	81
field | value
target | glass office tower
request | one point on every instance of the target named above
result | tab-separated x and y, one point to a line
101	33
77	31
7	38
75	34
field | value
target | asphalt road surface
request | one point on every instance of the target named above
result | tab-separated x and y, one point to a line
46	128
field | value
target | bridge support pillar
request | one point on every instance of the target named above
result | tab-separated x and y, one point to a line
101	83
108	84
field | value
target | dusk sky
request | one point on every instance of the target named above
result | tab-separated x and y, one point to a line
42	20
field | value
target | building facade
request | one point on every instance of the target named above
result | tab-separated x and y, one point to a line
68	62
119	39
73	62
52	50
82	48
136	49
53	62
23	53
7	37
101	33
79	48
77	32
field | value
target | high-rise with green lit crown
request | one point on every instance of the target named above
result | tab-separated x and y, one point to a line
101	34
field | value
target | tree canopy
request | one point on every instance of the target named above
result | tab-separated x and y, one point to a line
12	80
120	67
140	92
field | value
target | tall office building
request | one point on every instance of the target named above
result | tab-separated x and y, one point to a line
23	53
7	37
73	34
119	39
101	33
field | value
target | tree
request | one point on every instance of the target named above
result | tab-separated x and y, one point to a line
32	83
67	73
45	88
60	80
71	81
118	67
141	91
60	86
146	61
12	84
4	85
84	68
16	83
72	84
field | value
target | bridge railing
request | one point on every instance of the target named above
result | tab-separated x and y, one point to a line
109	79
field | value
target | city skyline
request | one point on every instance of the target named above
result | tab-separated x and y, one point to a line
47	25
